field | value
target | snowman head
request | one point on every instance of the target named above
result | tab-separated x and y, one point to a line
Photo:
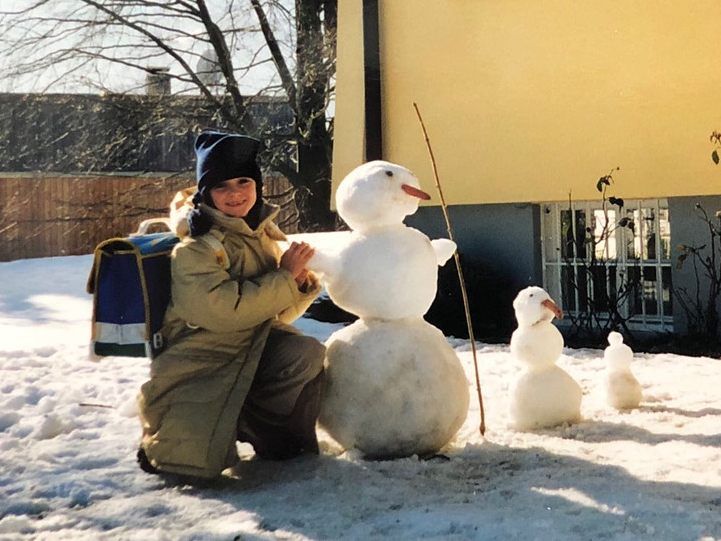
533	305
377	194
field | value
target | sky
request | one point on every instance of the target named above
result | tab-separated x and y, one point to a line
113	77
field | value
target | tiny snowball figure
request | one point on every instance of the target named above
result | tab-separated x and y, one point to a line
623	391
394	387
544	395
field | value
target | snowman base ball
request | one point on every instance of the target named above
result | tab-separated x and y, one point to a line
623	391
393	388
545	398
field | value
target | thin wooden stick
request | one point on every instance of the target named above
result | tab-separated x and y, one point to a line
464	294
93	405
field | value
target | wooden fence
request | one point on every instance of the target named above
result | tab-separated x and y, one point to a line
43	215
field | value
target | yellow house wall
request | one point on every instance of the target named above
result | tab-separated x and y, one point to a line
528	100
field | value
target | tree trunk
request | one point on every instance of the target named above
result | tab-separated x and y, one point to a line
315	64
313	196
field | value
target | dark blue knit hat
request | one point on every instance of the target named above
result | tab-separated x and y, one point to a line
221	156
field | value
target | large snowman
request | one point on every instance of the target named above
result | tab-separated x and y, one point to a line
394	386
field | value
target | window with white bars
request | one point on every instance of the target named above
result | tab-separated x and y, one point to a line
632	258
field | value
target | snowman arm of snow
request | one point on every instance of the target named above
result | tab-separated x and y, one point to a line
323	263
444	250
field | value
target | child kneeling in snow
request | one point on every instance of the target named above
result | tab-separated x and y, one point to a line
234	368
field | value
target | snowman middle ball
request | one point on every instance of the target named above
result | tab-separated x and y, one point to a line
394	388
390	273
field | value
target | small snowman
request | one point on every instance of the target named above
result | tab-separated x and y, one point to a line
623	391
394	387
544	395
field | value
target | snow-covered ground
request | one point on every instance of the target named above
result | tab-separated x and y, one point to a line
68	435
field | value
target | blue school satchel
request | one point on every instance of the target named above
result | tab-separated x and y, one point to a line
130	284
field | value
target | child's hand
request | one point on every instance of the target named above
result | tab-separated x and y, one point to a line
295	259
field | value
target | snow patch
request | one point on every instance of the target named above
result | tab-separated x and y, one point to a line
8	419
51	427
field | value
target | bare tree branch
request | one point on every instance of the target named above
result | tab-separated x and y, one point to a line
160	43
226	65
216	50
285	76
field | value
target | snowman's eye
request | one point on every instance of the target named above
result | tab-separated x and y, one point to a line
389	173
531	295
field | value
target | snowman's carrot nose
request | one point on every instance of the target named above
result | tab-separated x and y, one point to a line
553	307
415	192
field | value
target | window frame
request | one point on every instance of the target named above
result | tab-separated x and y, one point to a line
553	267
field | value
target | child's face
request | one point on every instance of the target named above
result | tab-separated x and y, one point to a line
234	197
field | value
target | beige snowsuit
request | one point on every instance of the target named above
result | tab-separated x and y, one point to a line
233	368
